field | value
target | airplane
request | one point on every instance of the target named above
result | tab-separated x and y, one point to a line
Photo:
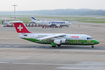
55	39
9	23
51	23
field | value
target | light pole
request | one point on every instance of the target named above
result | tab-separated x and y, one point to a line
14	11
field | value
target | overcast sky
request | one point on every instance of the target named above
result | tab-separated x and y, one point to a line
6	5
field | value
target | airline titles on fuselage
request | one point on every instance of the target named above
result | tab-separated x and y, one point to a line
57	22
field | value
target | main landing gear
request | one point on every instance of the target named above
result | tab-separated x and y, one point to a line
92	46
60	45
53	46
57	45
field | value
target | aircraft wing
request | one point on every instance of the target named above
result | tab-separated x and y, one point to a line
52	36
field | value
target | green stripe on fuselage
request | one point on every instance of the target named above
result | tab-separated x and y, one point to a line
38	41
68	42
80	42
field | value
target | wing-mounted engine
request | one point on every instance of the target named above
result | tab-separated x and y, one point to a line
57	24
59	41
63	40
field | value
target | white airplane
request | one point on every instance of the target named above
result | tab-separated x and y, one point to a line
56	23
53	38
9	23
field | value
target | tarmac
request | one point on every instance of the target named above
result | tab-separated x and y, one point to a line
18	54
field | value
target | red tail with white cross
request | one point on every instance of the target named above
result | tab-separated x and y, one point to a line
21	28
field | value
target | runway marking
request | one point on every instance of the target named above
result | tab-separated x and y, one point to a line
9	60
7	46
40	47
4	62
33	63
77	66
35	46
85	66
45	47
82	65
16	46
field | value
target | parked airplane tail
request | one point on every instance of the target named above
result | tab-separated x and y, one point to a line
21	28
33	19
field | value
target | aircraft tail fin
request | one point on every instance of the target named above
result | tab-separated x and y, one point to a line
33	19
21	28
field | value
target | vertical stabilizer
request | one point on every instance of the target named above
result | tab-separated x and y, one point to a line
33	19
21	28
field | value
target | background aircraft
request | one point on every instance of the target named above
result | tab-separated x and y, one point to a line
51	23
7	23
53	39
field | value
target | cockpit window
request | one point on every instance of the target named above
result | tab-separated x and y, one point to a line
88	38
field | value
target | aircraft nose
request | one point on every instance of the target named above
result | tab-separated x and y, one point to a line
69	23
96	42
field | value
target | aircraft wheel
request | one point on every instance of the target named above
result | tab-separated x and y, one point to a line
60	27
67	25
92	46
53	46
59	45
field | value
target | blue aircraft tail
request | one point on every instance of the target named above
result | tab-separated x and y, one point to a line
33	19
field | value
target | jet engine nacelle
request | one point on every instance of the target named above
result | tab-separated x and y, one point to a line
59	41
63	40
57	25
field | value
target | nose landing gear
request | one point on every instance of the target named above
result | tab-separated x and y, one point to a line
92	46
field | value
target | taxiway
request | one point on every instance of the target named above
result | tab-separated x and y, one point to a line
18	54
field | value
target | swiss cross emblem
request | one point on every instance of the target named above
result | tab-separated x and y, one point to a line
20	28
